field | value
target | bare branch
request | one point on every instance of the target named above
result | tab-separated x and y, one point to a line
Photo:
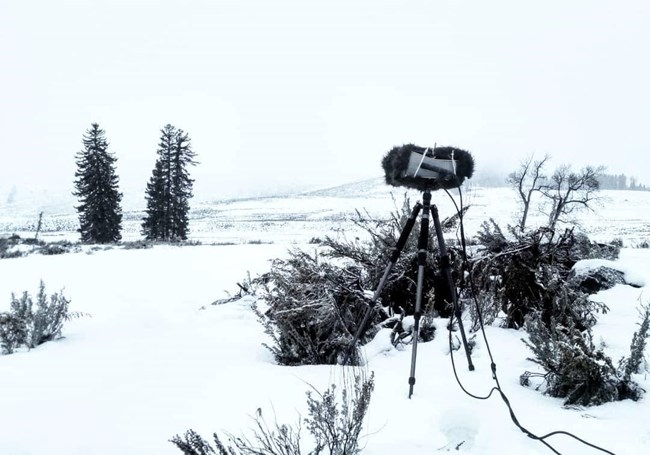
567	190
527	180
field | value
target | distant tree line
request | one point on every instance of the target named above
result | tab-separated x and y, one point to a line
489	179
167	194
620	182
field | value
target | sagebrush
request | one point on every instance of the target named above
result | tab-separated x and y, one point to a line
334	422
31	323
317	300
313	308
579	371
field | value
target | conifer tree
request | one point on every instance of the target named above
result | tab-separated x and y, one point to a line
96	186
152	225
170	188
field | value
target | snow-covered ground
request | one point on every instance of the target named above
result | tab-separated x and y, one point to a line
300	217
155	358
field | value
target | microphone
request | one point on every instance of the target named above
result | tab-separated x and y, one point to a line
427	169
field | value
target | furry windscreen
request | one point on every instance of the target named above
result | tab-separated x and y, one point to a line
428	178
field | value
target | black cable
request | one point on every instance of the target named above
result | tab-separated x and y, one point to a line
493	366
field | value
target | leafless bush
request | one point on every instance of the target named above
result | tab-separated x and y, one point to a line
335	421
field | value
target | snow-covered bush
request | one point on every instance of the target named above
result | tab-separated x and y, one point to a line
44	319
137	244
317	301
15	246
8	247
584	248
313	308
334	422
336	430
32	323
527	277
60	247
373	252
633	363
526	272
577	370
13	332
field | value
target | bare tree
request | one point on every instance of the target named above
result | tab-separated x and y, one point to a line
527	180
567	191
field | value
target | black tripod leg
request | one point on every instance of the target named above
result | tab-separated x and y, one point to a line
446	267
423	241
404	235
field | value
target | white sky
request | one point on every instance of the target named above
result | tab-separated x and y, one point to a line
276	94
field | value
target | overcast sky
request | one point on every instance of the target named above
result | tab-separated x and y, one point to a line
284	93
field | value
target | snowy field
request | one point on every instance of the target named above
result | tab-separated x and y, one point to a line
155	358
298	218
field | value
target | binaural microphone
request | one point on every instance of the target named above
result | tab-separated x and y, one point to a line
427	169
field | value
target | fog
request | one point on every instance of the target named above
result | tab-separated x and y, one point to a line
287	95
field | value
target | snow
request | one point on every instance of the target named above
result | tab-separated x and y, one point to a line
314	214
631	276
155	358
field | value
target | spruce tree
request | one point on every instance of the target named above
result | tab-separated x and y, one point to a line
152	225
169	188
182	184
96	185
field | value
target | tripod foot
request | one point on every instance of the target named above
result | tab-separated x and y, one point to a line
411	384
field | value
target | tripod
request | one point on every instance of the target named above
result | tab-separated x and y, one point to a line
423	242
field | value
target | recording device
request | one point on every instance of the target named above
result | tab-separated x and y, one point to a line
427	169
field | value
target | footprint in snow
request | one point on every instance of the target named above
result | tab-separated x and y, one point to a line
460	427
